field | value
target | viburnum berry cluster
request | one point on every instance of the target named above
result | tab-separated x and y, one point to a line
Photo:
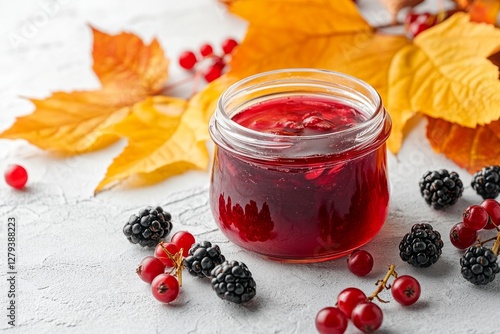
207	62
352	303
231	280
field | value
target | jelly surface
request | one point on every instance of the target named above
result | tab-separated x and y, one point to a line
300	213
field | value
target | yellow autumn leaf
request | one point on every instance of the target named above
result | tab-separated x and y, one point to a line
445	74
73	123
162	142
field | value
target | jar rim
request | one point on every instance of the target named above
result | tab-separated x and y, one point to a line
223	122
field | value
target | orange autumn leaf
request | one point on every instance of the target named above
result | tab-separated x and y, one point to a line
445	74
123	61
318	34
162	142
73	123
469	148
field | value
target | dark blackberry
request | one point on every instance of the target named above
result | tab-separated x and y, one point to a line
232	281
148	227
479	265
422	246
202	258
486	182
440	188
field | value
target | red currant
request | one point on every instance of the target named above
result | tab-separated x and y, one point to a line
187	60
367	317
493	209
228	45
16	176
331	320
149	268
206	50
475	217
405	290
360	262
160	253
348	299
184	240
461	236
165	288
213	72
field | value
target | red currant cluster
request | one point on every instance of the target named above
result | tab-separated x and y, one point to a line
16	176
352	303
475	218
164	270
209	64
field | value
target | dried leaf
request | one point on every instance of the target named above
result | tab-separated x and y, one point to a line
317	34
445	74
162	142
394	6
469	148
73	123
124	62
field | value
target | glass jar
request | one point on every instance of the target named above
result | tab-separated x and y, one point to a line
300	198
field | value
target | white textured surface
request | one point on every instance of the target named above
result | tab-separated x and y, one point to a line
75	268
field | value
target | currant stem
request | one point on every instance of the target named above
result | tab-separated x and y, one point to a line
496	246
178	261
165	89
382	284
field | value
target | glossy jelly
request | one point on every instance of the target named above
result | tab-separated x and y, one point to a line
300	170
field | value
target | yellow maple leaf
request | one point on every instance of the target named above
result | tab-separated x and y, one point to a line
73	123
162	142
445	74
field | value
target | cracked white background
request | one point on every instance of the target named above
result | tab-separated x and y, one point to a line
76	271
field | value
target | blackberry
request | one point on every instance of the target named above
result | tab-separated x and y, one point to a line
202	258
479	265
148	227
422	246
486	182
440	188
232	281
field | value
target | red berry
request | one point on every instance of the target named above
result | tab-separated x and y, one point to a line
206	50
165	288
417	23
16	176
405	290
228	45
212	73
331	320
475	217
360	262
187	60
461	236
367	317
184	240
160	253
493	209
348	299
149	268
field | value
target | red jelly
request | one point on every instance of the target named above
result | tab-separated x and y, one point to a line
300	170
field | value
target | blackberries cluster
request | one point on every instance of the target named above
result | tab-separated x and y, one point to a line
231	280
148	227
422	247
